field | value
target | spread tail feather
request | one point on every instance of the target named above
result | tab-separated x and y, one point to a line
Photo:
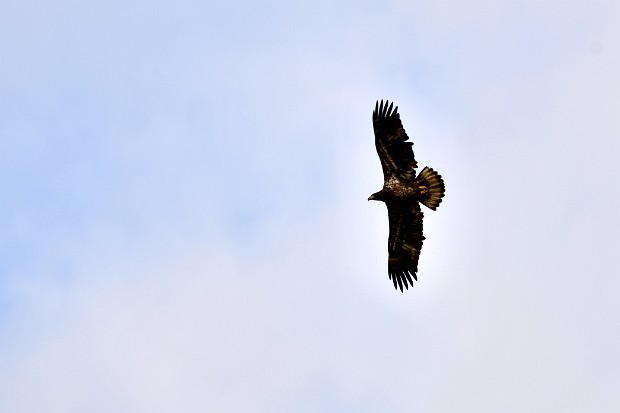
433	182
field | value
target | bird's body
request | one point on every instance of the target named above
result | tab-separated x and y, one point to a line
394	189
402	192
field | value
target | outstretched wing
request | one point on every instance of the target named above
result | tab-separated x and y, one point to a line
405	242
395	153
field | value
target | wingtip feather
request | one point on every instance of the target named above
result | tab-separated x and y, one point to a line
402	279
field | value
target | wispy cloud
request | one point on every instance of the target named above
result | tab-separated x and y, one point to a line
184	216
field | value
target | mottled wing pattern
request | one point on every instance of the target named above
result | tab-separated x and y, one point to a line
405	242
391	140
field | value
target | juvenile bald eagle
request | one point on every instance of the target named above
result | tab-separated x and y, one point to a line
402	193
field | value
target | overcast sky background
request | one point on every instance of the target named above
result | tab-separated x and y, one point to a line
183	214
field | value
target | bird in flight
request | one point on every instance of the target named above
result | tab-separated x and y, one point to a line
402	192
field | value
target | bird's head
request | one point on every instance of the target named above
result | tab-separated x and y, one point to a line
377	196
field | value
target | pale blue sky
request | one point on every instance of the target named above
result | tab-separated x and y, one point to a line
184	224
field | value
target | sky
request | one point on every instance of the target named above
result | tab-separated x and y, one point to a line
184	224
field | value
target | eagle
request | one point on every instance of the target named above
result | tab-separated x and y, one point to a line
402	192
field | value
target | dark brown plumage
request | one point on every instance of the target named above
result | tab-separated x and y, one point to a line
402	192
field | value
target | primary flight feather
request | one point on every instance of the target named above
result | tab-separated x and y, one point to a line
402	192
